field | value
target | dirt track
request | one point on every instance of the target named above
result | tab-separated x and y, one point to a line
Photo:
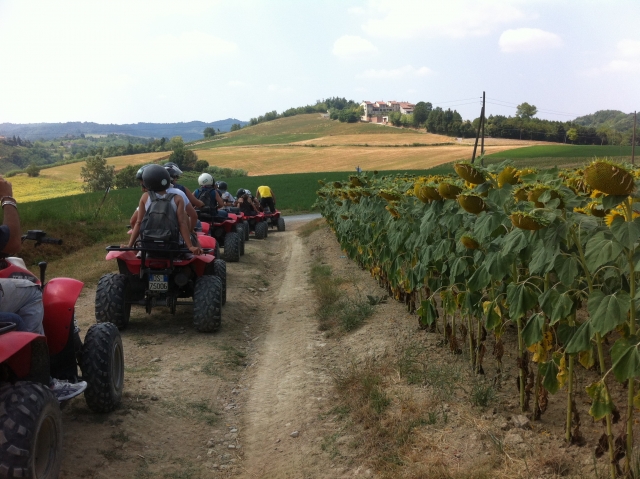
217	405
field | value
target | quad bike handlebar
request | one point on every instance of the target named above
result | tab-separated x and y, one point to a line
40	237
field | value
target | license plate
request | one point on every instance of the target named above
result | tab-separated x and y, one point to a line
158	282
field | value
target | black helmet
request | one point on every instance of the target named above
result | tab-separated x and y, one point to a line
174	171
139	173
240	193
221	185
156	178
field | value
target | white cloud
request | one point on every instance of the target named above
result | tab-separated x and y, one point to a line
625	59
351	45
528	40
356	10
396	73
236	83
192	45
452	18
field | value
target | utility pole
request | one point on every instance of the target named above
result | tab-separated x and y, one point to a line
633	142
480	127
482	123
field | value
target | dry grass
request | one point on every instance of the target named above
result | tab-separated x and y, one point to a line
42	187
272	160
369	139
71	172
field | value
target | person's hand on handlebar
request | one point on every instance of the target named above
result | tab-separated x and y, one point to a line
195	250
5	188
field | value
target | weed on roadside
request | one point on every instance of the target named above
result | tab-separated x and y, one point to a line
310	227
199	411
412	364
335	308
120	436
212	368
482	393
233	356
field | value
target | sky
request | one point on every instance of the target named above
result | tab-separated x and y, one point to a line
164	61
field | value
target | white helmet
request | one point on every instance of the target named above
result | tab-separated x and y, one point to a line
205	179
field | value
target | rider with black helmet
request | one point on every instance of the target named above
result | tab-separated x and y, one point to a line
156	179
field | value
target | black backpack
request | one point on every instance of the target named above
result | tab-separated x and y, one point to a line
159	229
208	197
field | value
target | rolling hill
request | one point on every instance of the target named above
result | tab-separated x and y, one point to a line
188	131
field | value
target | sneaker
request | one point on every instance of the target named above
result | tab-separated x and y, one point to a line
64	390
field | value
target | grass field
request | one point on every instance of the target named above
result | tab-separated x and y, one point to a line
268	160
563	151
294	129
71	172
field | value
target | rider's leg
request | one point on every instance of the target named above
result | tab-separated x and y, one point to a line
24	298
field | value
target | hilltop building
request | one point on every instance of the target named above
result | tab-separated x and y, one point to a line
378	111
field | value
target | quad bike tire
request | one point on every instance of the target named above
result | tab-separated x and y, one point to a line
241	236
111	305
207	304
220	271
103	367
216	250
247	230
232	247
280	223
261	230
30	431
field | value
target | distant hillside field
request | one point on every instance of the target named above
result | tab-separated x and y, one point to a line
71	172
189	131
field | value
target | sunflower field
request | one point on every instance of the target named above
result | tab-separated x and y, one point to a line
555	253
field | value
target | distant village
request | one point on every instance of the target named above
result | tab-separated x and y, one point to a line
378	111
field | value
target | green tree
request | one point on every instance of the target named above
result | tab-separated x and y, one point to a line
526	111
126	177
236	127
33	170
572	134
96	174
201	165
421	113
209	132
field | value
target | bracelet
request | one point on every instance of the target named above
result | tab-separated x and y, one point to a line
10	203
7	198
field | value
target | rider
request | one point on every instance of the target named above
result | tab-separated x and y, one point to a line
157	179
206	182
21	299
191	201
246	205
267	198
227	198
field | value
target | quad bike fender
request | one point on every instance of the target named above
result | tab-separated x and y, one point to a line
59	298
129	258
207	241
200	263
205	227
15	351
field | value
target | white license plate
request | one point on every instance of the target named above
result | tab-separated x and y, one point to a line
158	282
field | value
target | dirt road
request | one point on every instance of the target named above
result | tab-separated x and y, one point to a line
215	405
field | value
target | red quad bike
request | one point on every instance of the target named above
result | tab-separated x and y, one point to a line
274	219
229	233
30	418
258	224
151	277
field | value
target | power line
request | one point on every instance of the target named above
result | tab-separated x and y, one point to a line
552	112
454	101
544	110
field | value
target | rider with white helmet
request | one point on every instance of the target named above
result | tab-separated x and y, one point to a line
209	196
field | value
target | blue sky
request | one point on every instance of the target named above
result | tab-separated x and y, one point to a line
127	61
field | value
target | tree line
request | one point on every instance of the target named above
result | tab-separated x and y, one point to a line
339	109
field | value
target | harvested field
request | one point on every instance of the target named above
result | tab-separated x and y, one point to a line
380	139
271	160
71	172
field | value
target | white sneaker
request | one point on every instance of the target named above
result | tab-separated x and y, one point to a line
64	390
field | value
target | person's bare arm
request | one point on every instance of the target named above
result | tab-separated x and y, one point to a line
192	216
135	232
194	201
183	222
134	218
11	219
